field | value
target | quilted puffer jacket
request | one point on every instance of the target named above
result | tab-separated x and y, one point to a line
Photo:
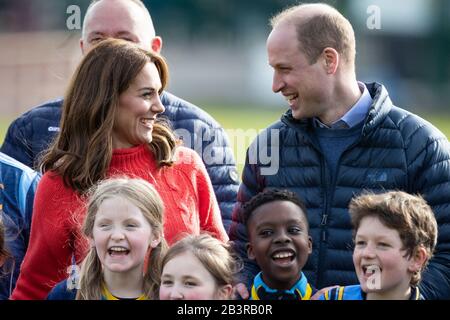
32	132
17	187
396	150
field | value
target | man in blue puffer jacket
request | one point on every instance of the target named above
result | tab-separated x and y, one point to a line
339	138
17	186
31	133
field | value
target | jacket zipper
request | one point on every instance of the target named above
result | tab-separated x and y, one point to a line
323	225
324	221
328	204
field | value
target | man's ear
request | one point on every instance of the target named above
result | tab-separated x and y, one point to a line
250	253
331	60
157	44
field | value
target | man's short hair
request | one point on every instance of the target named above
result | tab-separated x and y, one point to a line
327	29
410	215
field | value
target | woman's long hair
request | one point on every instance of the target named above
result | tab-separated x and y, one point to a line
82	151
141	194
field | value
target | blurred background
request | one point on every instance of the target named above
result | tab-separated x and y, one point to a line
217	57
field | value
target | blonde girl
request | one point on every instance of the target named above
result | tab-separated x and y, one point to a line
124	225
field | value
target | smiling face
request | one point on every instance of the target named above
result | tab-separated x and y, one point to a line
121	236
304	85
279	242
137	110
185	278
380	248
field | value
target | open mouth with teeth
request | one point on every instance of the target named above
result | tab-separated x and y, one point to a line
370	269
118	251
283	257
147	122
291	98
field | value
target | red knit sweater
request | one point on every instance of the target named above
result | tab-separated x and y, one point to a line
185	188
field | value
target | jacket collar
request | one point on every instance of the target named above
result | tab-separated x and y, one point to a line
300	291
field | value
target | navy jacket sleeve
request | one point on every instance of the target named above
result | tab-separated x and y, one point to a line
17	144
429	159
218	158
30	134
20	184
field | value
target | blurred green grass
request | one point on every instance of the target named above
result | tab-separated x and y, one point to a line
243	124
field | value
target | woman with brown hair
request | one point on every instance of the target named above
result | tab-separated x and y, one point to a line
109	127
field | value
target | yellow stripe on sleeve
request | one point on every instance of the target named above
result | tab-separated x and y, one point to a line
341	293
